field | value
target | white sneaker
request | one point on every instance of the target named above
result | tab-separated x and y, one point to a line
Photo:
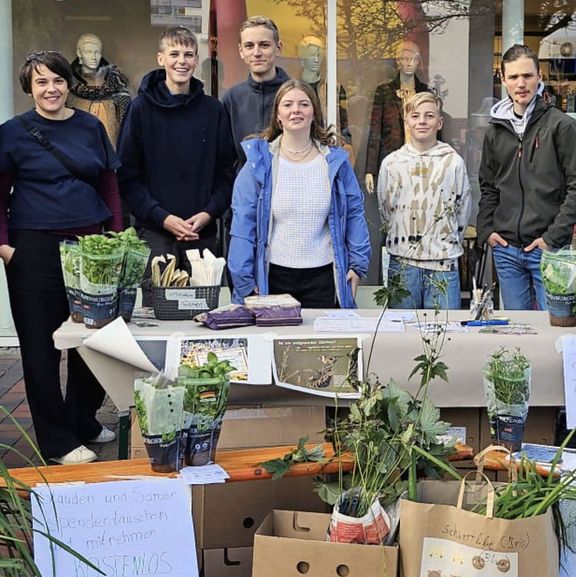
78	456
105	436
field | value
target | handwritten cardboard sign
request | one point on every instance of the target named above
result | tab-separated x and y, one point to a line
125	528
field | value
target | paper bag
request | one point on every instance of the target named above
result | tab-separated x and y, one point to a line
440	538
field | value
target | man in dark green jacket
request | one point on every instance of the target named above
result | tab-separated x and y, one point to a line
527	181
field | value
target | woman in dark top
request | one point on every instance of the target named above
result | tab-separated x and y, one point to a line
42	203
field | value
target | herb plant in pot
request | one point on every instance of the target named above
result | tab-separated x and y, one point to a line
101	267
159	406
205	402
559	277
136	255
507	382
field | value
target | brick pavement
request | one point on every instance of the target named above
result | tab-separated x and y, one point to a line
15	448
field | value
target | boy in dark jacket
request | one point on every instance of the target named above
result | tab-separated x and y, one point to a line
177	156
248	104
527	181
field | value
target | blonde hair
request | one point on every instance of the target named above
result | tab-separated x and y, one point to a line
420	98
178	36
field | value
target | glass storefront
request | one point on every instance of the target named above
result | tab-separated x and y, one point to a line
382	48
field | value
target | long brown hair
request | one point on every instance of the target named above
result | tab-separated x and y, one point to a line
317	131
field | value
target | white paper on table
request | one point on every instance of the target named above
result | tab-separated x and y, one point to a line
115	340
357	325
569	363
342	314
205	475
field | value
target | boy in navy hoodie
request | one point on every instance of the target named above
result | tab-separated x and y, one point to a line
177	156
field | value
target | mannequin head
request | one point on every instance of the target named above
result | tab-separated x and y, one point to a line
89	53
311	55
408	58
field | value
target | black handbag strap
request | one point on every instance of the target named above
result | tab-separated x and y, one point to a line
39	136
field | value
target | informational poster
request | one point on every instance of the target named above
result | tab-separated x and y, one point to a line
328	367
190	13
250	356
125	528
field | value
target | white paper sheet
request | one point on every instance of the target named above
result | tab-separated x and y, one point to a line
115	340
569	363
123	527
357	325
206	475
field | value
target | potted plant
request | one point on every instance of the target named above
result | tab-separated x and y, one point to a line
100	270
558	269
507	380
136	255
159	407
205	401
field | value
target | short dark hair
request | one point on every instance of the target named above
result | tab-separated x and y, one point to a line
519	51
178	35
268	23
52	59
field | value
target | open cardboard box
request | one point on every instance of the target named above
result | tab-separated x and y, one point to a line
290	544
228	514
256	426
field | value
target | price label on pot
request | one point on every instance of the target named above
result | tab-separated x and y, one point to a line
124	528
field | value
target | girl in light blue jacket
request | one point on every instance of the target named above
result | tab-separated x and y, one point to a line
298	214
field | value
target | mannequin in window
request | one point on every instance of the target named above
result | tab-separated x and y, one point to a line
387	119
311	55
99	87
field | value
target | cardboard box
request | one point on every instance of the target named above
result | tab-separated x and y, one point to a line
467	417
228	514
540	426
254	426
289	543
236	562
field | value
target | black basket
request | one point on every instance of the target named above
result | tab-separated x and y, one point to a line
177	304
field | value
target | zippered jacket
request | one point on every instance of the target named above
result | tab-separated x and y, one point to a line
528	182
248	106
251	209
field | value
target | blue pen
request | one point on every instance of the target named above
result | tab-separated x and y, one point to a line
486	323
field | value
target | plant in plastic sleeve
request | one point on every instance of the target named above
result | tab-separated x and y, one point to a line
159	406
559	271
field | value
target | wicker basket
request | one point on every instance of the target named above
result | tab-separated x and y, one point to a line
176	304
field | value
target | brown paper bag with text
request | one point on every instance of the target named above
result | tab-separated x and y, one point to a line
440	538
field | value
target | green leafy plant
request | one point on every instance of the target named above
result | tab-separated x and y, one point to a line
506	370
102	258
136	254
206	389
532	494
279	467
559	271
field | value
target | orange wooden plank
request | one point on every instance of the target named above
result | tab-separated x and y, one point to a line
240	464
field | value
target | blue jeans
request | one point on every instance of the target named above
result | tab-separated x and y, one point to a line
519	277
424	286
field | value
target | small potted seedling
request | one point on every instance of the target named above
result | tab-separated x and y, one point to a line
205	401
507	380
